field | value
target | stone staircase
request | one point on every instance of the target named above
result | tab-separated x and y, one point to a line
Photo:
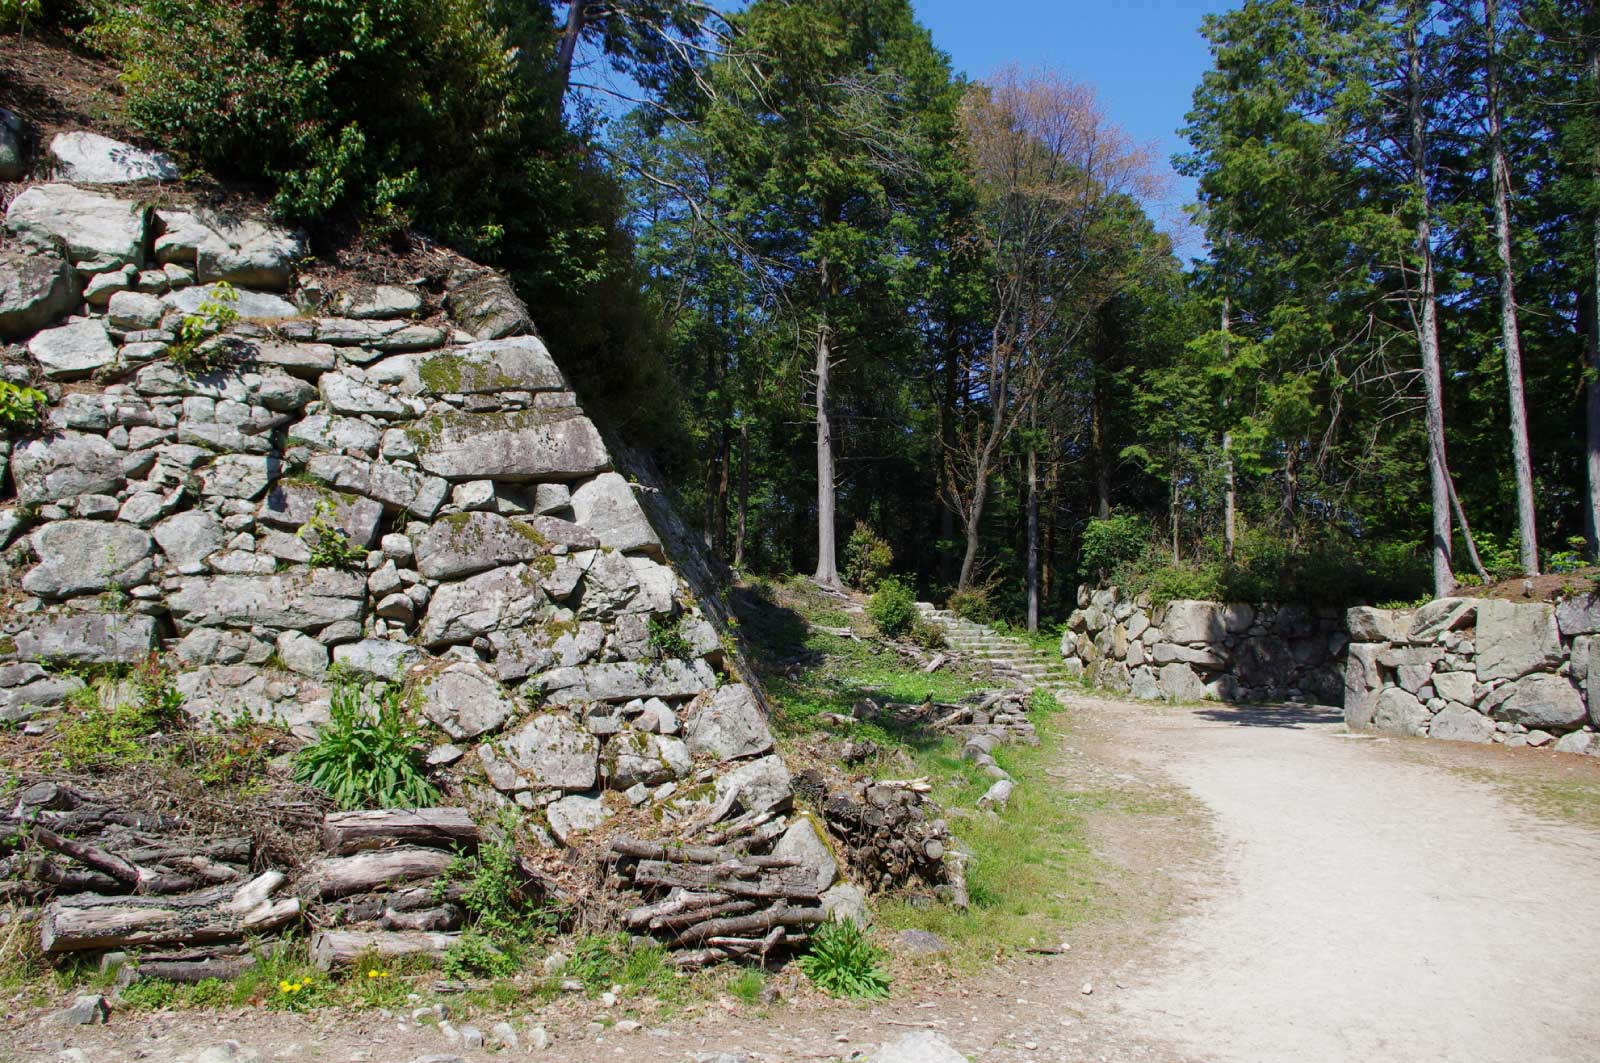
1011	658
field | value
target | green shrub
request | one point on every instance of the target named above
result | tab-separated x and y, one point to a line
1573	558
368	755
976	604
893	608
1112	541
666	638
330	546
843	963
867	558
19	407
191	351
107	731
928	635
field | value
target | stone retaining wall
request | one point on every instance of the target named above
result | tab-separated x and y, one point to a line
1192	650
1479	670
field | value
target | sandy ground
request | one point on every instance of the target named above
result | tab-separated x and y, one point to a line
1336	899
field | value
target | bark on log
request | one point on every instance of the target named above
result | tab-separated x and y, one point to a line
777	915
693	854
442	918
697	915
344	833
340	876
224	913
224	968
794	883
677	901
340	948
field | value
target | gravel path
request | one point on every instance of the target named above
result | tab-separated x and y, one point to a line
1338	899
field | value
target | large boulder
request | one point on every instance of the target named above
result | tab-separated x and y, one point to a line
87	638
484	303
91	159
489	367
189	538
1179	683
1516	638
74	350
377	658
291	503
626	681
518	445
238	250
1579	615
922	1046
1455	723
63	466
1441	615
464	543
1187	620
38	285
465	699
1366	624
396	486
309	598
240	691
634	757
606	506
100	231
805	843
1398	712
252	306
1538	702
573	815
499	600
554	752
728	724
87	557
757	786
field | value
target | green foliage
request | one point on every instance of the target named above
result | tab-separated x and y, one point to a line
476	954
600	961
18	14
502	920
666	638
893	608
1573	558
746	985
867	557
105	731
330	546
19	407
975	603
1113	541
843	963
928	635
368	755
216	313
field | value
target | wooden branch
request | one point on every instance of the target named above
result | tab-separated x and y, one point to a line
677	901
698	915
340	876
796	883
777	915
341	948
693	854
344	833
224	913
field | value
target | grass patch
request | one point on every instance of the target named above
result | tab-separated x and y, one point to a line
1574	801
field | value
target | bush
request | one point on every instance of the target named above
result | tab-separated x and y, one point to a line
367	756
893	608
1112	541
976	604
843	963
866	558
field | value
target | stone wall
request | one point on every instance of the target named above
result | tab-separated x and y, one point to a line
1197	651
1478	670
506	571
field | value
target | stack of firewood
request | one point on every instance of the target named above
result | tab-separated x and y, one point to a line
113	879
713	903
891	835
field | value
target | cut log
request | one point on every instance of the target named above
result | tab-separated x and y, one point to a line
697	915
344	833
693	854
223	913
677	901
442	917
190	971
341	948
340	876
760	922
797	883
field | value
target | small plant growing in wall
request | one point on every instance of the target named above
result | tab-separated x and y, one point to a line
369	755
19	407
217	312
666	638
330	546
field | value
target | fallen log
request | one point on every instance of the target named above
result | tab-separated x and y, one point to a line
796	883
733	926
190	969
344	833
341	948
697	915
443	917
677	901
340	876
693	854
130	876
223	913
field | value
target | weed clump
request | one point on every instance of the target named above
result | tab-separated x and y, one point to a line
843	963
368	756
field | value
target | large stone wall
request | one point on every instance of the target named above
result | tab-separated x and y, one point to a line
1478	670
1192	650
506	572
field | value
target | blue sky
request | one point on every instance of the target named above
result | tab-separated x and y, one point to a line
1144	56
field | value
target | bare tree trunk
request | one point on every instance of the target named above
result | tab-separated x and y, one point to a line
827	573
1291	493
744	494
980	486
1521	452
719	528
1230	486
1100	445
1594	332
1444	580
567	47
947	442
1033	537
1173	508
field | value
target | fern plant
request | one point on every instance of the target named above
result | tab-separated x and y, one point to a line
368	755
843	963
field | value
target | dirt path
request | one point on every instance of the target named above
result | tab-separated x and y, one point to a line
1338	900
